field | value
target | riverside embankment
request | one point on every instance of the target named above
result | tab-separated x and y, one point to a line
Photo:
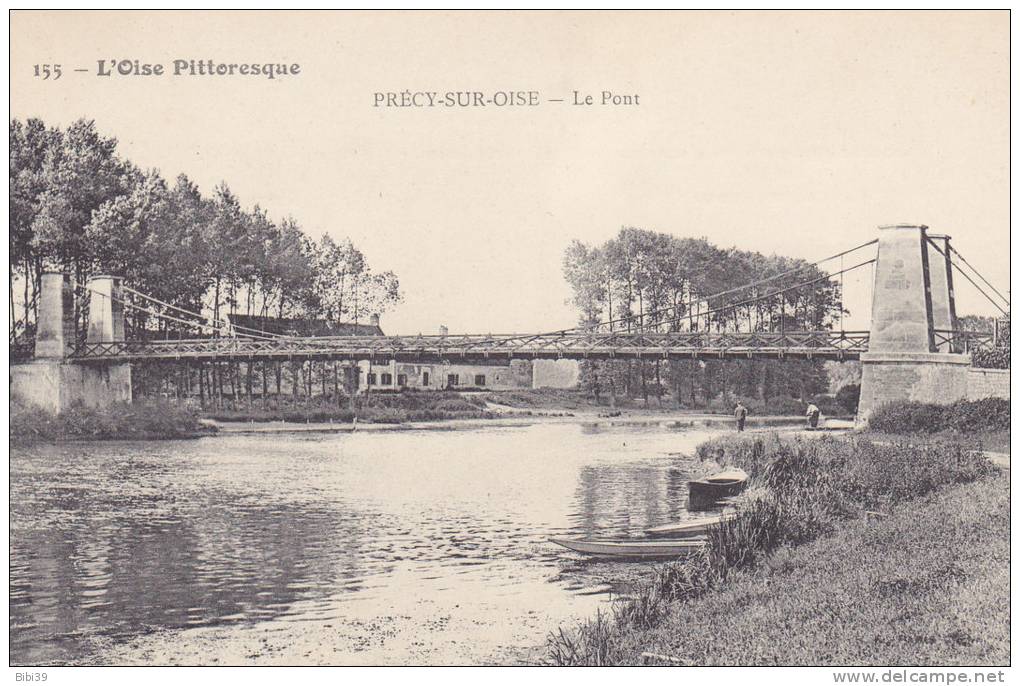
846	552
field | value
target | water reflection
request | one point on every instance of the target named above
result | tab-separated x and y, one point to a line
115	540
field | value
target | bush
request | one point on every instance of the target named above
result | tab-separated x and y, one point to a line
964	416
455	405
848	397
997	358
784	405
140	420
828	406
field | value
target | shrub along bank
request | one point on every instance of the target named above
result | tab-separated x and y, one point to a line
964	416
802	490
140	421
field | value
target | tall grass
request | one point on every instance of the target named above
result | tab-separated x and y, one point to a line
801	490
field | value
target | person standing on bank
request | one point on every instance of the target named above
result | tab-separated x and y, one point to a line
740	414
812	415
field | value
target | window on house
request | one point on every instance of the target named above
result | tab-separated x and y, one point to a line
387	379
424	378
479	379
401	379
371	379
452	379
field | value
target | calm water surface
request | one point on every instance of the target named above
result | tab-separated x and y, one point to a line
445	530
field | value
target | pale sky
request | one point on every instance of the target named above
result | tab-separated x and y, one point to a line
793	133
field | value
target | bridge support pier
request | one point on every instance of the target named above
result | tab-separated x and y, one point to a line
50	381
939	378
912	299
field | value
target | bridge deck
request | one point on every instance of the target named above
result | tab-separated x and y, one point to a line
677	345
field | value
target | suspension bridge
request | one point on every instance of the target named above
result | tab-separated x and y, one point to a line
913	313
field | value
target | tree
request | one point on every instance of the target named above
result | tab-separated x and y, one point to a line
78	176
29	144
150	238
642	280
586	271
77	205
289	267
224	232
337	268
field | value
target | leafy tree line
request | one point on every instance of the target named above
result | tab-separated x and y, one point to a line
642	280
79	206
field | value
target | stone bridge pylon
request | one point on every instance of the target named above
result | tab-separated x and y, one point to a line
50	380
912	354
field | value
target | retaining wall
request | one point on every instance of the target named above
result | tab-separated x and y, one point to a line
987	383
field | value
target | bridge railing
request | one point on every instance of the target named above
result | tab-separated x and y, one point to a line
508	346
964	341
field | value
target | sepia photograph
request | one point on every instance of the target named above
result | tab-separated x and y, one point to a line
509	338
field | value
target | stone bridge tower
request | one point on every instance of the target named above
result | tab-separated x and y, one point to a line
912	302
51	380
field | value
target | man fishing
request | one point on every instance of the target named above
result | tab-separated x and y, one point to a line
740	414
812	415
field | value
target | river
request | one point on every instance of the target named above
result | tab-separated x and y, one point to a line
396	547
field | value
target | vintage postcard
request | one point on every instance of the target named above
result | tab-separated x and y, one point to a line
510	338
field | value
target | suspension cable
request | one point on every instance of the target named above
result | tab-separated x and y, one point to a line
957	252
213	320
966	276
789	272
708	313
163	315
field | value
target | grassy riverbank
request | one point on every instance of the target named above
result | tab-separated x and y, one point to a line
145	420
417	406
380	408
408	406
996	441
805	575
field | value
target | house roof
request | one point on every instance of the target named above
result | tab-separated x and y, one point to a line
299	326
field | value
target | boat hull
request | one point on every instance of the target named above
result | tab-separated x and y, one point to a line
694	527
704	494
631	548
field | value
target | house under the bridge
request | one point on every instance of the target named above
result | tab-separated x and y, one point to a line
500	375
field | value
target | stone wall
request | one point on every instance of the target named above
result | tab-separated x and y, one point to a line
55	386
987	383
923	377
929	378
556	374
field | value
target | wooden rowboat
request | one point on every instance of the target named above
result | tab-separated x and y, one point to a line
631	547
705	493
691	527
